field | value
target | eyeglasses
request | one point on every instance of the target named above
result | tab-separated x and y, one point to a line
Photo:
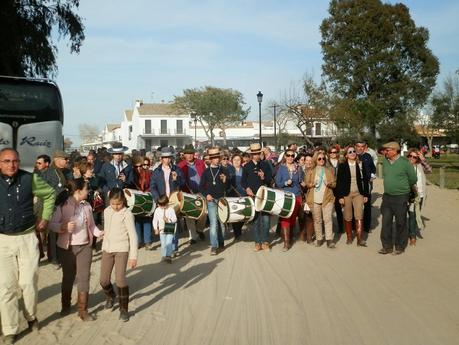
137	166
335	152
145	165
9	161
350	152
320	159
289	155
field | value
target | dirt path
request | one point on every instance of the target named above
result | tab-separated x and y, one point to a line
308	295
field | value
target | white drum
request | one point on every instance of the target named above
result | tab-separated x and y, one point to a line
275	201
235	210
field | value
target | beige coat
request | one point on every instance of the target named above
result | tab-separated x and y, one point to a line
309	178
119	232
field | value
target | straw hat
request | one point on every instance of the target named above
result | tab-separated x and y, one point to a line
166	152
214	152
254	148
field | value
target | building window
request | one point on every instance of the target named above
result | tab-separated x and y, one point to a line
163	126
147	126
130	132
179	126
148	144
318	129
163	143
179	142
308	130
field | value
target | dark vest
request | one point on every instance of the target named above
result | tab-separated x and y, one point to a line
16	203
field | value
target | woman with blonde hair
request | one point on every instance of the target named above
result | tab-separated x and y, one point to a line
320	182
352	192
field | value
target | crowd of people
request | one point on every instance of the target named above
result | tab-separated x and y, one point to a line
69	200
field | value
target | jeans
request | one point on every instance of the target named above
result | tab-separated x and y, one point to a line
215	231
143	229
412	224
166	244
394	206
260	227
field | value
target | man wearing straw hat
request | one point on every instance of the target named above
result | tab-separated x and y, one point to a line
192	170
116	173
213	185
257	173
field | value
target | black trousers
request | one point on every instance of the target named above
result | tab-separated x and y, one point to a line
339	216
367	215
394	206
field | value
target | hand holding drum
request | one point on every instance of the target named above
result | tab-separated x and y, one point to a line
223	178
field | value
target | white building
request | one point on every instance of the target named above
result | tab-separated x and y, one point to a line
150	125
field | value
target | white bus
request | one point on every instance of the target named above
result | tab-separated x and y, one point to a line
31	118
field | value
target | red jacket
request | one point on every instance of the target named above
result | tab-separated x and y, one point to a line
183	166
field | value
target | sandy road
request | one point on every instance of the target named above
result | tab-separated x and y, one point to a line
308	295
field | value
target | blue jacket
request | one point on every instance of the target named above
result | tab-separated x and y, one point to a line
158	183
108	179
282	176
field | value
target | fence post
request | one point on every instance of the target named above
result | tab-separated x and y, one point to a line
380	171
442	181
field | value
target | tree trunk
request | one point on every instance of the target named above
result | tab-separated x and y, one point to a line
429	143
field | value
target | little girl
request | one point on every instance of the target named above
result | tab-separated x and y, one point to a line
119	248
74	223
164	224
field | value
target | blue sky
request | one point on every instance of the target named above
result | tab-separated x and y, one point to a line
152	50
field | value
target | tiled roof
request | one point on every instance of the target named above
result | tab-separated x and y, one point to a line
112	126
157	109
128	114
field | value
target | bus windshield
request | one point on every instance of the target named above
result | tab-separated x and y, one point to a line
31	118
27	101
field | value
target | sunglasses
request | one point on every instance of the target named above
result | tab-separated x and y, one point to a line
320	159
350	152
137	166
145	165
289	155
334	152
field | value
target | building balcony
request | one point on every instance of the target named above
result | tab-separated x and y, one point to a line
167	133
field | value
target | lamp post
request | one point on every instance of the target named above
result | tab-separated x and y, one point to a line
260	99
195	119
275	106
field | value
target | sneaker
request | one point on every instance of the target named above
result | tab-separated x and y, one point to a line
124	315
213	251
257	247
319	243
331	244
398	252
9	339
33	325
168	259
265	246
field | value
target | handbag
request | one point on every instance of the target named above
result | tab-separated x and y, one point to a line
169	228
98	204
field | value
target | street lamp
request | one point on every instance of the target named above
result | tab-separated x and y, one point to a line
275	106
195	119
260	99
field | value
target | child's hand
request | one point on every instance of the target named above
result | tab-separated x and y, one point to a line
132	263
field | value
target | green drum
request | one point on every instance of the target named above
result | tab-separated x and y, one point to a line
236	210
275	201
140	203
192	206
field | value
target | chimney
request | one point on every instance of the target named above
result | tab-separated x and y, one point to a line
138	103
